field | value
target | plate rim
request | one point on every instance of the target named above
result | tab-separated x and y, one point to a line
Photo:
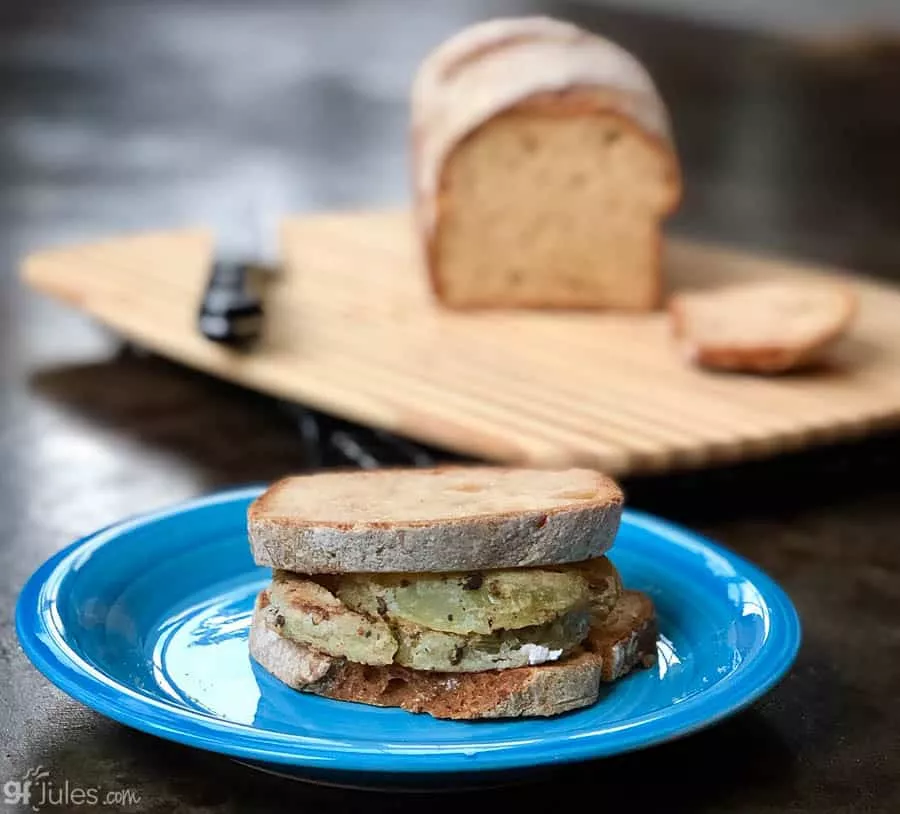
76	677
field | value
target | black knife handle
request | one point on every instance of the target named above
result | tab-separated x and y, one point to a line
229	312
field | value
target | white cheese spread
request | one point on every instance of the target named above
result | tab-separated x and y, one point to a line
538	654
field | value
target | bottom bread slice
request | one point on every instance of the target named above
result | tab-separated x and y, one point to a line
626	639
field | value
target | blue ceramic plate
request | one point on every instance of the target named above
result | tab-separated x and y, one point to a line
146	622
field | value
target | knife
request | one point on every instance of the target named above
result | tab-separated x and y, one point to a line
231	308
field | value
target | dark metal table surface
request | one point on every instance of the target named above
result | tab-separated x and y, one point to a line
121	116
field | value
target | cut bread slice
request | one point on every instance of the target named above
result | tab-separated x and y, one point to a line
543	165
431	520
767	327
626	639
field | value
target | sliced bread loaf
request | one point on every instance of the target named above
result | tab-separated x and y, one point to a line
767	327
444	519
543	165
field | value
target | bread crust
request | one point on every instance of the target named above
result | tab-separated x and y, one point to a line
764	357
569	532
626	640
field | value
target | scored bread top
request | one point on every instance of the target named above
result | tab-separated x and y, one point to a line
444	519
494	65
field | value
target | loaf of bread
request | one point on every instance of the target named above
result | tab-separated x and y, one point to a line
542	169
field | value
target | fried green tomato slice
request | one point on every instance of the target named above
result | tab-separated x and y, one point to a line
604	585
480	602
424	649
307	612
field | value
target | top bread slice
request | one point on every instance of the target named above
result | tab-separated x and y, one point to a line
542	167
434	520
766	327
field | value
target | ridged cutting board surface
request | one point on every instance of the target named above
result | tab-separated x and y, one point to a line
351	328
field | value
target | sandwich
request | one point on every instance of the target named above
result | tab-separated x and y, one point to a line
461	592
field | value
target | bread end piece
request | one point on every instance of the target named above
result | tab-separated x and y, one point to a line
628	640
765	327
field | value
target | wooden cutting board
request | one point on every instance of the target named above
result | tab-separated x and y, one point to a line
351	329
